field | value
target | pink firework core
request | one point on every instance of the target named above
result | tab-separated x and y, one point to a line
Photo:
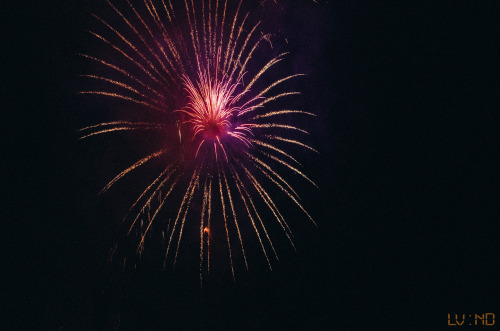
211	108
213	129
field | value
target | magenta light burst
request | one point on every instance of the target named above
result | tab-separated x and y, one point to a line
229	138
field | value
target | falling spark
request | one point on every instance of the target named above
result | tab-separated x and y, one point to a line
227	135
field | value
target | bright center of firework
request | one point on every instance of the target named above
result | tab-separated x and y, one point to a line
214	129
210	106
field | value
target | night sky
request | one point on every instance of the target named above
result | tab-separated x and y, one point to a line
407	210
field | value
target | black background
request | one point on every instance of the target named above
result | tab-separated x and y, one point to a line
407	210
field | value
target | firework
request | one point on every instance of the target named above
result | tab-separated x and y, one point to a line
190	64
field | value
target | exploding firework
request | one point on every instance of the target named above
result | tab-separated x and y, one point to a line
191	65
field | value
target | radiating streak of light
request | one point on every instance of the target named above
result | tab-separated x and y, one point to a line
124	72
274	137
266	100
125	86
185	214
147	189
142	56
281	112
278	126
121	129
151	219
295	170
225	221
264	91
139	35
208	222
291	196
239	185
132	167
268	167
202	229
276	149
265	197
231	36
234	217
127	56
151	197
124	123
120	96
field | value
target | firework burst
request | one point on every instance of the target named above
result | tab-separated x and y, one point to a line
229	141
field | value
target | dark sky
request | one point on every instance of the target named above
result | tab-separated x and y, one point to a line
407	207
